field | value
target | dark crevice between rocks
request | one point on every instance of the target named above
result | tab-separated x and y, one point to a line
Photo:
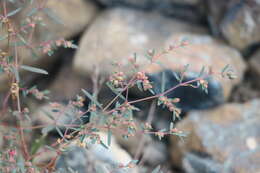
190	13
247	90
247	53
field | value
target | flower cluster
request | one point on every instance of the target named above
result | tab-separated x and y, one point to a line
79	102
40	95
169	103
48	47
141	77
117	79
204	85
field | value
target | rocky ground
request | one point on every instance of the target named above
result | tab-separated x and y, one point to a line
222	126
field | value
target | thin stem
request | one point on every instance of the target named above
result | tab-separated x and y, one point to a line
149	121
23	142
118	95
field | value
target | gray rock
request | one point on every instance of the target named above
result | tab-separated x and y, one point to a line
193	163
241	24
74	159
155	153
81	13
94	158
228	134
237	20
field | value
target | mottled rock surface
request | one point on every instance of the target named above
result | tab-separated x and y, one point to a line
95	158
194	163
237	21
229	134
59	24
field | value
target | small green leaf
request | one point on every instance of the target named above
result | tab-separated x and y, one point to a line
20	164
50	148
34	69
225	68
185	69
115	91
202	71
34	54
3	37
16	74
93	99
163	82
22	39
47	129
139	85
104	145
32	12
13	12
109	136
171	125
37	144
152	91
60	133
176	75
48	115
52	15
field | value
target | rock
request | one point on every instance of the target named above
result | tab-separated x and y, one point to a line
95	157
125	31
71	13
153	152
246	90
254	64
45	156
229	135
240	25
237	21
81	14
66	84
131	144
75	159
193	163
216	11
191	10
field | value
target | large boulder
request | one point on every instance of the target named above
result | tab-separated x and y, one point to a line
126	31
236	20
58	24
228	135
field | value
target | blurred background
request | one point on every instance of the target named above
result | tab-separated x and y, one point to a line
223	126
